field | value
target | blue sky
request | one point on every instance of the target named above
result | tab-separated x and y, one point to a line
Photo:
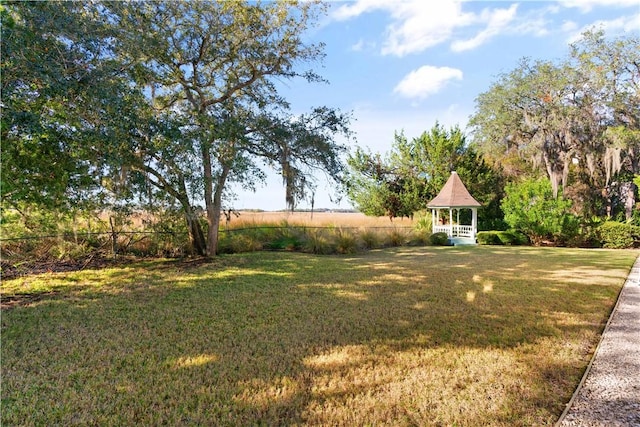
403	65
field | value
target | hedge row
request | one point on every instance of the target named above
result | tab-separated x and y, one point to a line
501	238
610	234
618	235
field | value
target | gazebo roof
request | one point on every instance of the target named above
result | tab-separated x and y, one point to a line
454	195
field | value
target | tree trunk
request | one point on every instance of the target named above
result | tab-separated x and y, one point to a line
630	200
213	200
196	235
213	213
179	192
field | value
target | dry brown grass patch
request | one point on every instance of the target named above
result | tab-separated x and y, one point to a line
406	336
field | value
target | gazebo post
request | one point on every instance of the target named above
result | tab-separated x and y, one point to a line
434	218
474	222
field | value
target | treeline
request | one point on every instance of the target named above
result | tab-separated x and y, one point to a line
553	151
160	106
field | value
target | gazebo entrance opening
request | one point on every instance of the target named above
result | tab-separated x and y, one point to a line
450	224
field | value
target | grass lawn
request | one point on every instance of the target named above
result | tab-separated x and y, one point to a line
406	336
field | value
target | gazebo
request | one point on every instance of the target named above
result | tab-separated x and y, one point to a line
454	197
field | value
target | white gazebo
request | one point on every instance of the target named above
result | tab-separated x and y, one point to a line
454	197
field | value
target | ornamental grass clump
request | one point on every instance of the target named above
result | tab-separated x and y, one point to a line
395	237
316	241
369	238
345	241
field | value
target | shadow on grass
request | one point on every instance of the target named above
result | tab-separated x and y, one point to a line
402	336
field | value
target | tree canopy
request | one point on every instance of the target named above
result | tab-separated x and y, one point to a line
576	120
406	179
168	99
53	82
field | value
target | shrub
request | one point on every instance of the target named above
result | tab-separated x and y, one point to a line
439	239
616	235
64	250
282	238
495	237
488	238
492	224
588	236
284	243
531	208
511	237
237	242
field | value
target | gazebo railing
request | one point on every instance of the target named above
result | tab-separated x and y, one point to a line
454	230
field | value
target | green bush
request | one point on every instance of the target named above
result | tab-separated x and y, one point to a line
284	243
488	238
511	237
617	235
588	236
238	242
439	239
492	224
530	207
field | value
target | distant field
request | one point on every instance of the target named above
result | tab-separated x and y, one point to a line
421	336
340	219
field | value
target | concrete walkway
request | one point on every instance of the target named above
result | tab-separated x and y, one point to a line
609	393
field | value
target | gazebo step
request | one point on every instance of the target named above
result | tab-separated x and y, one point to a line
462	241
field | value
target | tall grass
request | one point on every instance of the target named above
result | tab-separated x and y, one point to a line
325	233
318	219
83	238
369	238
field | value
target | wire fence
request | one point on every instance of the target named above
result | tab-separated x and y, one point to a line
23	255
82	244
80	234
68	235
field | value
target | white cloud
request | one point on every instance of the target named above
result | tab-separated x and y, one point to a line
588	5
421	25
357	47
497	20
534	22
352	10
363	45
417	25
613	27
569	26
375	127
426	80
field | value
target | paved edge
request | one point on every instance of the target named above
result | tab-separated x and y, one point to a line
635	268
